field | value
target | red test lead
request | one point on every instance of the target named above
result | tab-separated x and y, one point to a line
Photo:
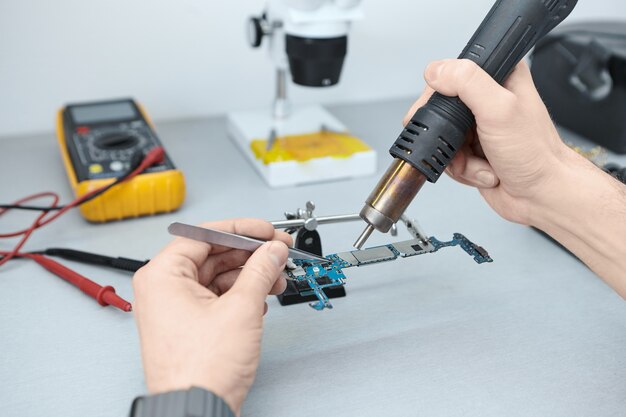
103	295
154	156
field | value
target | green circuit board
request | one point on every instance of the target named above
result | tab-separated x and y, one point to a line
312	277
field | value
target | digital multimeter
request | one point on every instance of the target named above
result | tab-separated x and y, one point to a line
98	141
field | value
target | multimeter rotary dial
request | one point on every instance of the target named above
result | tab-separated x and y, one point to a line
112	143
117	141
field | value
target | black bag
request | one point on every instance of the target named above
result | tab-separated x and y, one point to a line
580	72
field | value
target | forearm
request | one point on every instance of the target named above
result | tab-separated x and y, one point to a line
585	210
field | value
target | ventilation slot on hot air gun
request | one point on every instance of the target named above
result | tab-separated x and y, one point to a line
429	166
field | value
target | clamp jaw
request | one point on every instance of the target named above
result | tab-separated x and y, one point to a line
304	224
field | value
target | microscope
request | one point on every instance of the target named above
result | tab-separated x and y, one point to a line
307	39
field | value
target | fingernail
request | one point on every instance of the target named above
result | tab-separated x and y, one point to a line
486	178
276	252
434	71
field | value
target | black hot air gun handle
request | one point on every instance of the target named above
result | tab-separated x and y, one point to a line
438	129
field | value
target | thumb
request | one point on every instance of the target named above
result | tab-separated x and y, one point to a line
261	272
465	79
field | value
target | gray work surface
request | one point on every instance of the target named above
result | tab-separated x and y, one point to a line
532	334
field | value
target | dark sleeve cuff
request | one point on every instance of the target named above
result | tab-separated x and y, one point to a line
194	402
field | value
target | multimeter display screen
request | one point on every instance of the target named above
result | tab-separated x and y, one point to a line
98	113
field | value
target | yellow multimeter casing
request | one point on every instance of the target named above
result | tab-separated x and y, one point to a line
97	141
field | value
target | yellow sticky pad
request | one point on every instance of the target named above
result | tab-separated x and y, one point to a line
302	148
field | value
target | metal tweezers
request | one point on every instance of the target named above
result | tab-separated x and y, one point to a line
231	240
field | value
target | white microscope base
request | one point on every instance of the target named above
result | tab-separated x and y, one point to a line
244	127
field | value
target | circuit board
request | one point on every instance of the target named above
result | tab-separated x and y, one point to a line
312	277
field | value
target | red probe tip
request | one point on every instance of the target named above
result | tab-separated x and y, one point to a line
118	302
107	296
125	306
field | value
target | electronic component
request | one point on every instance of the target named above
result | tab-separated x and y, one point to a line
413	247
99	142
437	130
373	255
312	277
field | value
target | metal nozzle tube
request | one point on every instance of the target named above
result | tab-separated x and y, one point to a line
364	236
388	201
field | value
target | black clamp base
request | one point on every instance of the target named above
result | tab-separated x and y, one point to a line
292	296
310	241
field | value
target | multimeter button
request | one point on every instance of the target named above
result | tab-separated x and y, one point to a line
82	130
116	166
95	168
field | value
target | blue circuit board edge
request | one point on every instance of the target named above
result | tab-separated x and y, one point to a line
311	276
